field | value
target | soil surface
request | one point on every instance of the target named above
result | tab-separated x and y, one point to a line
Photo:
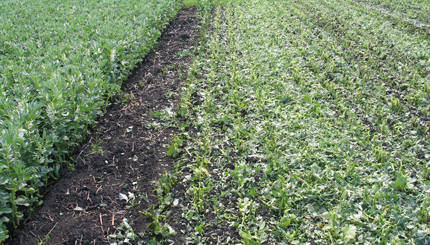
123	155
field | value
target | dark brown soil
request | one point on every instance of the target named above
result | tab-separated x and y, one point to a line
122	155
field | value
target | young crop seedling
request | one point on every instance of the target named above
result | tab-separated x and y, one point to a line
158	225
125	234
96	148
174	147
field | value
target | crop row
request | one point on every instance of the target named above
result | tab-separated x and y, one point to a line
368	23
313	127
408	85
413	9
408	103
60	63
399	18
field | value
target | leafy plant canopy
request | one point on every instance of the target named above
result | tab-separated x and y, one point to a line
60	63
301	122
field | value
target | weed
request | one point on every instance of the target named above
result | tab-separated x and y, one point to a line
401	182
96	148
174	147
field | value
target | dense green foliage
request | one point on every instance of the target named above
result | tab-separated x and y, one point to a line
311	119
313	126
60	62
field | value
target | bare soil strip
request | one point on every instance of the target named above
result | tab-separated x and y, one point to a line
123	155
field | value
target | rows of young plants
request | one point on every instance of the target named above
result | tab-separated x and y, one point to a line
60	63
400	19
414	9
313	127
372	23
404	76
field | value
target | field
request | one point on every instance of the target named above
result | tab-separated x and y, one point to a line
60	62
311	124
299	122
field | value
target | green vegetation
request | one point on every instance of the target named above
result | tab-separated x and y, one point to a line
313	125
189	3
208	3
60	63
310	119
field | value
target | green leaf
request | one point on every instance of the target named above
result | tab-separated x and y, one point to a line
285	221
168	199
3	180
22	185
245	235
4	220
22	201
349	232
199	228
328	215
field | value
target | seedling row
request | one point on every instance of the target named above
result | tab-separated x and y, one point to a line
312	127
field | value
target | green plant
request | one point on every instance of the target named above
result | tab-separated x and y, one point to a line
124	233
158	224
401	182
124	98
381	155
249	239
182	111
170	94
174	147
165	183
182	54
426	172
395	104
57	79
71	164
198	193
424	211
189	3
348	232
3	230
96	148
160	114
314	119
332	217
